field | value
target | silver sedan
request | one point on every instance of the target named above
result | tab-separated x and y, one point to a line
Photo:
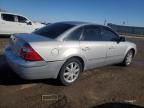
63	50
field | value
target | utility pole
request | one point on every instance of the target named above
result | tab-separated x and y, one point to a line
105	22
123	22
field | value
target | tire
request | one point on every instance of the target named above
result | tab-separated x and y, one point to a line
128	58
70	71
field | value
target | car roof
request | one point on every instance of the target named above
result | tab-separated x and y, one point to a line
79	23
75	22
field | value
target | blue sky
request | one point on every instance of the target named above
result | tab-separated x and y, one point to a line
115	11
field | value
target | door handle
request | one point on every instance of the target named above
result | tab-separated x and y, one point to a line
85	48
112	47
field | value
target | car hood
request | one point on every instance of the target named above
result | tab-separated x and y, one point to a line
38	25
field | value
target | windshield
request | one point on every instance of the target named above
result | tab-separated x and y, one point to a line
53	30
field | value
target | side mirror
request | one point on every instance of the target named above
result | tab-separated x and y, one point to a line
121	39
36	29
28	22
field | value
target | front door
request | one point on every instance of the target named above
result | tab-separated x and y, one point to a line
115	52
92	48
24	25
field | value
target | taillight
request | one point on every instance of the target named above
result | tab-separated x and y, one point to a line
29	54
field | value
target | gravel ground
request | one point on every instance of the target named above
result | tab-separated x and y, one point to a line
107	87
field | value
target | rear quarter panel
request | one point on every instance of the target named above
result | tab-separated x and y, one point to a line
71	49
48	50
58	50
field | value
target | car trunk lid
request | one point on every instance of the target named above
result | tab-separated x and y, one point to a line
17	41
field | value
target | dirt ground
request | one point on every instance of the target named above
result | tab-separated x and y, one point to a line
106	87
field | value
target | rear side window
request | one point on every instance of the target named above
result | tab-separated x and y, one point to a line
54	30
91	33
8	17
108	35
21	19
75	35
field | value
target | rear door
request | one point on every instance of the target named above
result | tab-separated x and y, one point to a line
115	52
8	24
92	47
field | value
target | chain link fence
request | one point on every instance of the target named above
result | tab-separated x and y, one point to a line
128	30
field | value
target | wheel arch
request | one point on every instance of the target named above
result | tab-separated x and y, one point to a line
133	49
71	57
77	57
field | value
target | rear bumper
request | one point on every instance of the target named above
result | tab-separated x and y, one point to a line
32	70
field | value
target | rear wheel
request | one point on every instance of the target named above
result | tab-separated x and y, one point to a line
70	71
128	58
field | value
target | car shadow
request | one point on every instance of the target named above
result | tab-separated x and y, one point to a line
4	36
117	105
9	77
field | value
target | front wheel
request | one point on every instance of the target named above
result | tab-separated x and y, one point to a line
128	58
70	71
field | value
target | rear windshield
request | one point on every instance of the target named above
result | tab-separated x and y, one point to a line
53	30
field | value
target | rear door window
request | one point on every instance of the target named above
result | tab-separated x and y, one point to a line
8	17
91	33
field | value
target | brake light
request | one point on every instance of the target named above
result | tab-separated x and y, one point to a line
29	54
